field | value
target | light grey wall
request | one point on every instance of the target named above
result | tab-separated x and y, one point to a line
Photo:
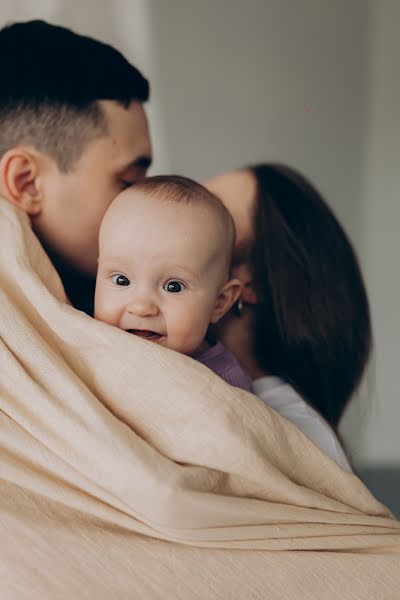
243	81
313	83
380	439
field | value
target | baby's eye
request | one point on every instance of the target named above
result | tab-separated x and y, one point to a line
119	279
174	286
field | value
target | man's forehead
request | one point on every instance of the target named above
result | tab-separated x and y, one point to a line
129	133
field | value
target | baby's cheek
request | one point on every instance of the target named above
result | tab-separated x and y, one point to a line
106	308
189	330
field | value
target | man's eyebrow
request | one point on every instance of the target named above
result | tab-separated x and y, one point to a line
143	162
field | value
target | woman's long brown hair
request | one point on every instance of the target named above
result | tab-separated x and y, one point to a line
312	325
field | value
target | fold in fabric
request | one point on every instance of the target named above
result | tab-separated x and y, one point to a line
129	470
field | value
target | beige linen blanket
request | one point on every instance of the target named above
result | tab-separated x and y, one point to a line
130	471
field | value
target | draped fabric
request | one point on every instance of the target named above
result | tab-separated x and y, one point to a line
130	471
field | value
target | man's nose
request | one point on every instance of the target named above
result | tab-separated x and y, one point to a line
142	306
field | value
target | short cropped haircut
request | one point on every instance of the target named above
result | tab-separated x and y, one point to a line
51	82
175	188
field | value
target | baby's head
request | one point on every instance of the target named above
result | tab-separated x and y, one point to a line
164	262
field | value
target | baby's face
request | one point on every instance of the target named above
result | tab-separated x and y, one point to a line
160	271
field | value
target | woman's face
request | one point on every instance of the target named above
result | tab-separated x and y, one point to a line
237	191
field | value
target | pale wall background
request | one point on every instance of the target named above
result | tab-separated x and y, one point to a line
314	83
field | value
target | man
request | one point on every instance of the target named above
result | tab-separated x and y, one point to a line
73	134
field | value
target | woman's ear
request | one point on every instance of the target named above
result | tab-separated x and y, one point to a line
20	181
227	296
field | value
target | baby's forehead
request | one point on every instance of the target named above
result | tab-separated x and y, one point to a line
163	226
140	207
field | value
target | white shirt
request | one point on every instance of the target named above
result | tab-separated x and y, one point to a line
282	398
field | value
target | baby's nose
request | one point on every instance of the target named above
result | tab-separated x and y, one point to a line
142	306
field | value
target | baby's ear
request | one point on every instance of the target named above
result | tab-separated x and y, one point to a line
227	296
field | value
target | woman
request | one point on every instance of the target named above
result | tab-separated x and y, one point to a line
302	327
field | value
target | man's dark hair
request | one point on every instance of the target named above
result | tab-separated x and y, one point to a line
51	82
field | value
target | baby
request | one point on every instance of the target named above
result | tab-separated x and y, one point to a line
165	251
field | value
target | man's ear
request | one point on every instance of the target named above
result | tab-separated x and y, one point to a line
20	180
227	296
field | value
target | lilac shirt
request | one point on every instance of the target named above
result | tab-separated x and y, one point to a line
223	363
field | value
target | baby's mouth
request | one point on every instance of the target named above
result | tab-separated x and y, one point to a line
145	333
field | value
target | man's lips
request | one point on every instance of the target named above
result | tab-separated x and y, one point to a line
145	333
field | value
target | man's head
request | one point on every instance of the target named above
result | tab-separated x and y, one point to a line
164	262
73	133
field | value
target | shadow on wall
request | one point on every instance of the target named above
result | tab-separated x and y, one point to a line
384	483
